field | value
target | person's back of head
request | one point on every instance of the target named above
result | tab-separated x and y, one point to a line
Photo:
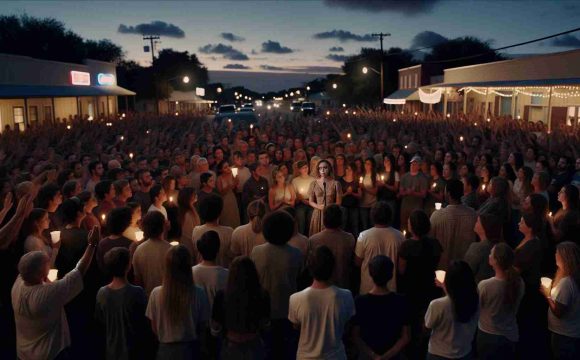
381	214
32	267
119	220
420	223
204	178
492	227
473	181
332	218
278	227
102	189
176	294
210	208
381	270
117	262
209	245
69	188
499	187
462	290
321	264
154	192
256	212
454	190
70	209
46	194
153	225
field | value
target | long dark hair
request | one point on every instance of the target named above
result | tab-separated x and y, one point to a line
391	176
184	205
373	170
462	291
242	290
177	290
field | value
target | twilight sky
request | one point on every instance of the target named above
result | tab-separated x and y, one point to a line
306	38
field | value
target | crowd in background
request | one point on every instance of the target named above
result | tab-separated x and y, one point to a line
293	237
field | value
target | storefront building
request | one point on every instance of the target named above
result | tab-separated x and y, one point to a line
37	91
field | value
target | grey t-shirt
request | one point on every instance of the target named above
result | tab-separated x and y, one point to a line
477	257
278	267
496	317
211	279
121	312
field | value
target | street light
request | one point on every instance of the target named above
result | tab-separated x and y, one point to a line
219	90
366	69
308	88
185	79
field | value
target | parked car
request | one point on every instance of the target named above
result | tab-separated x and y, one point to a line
308	108
296	106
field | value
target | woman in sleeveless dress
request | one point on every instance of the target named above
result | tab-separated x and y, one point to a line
324	184
226	183
281	194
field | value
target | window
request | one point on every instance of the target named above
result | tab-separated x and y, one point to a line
33	113
18	113
536	98
416	80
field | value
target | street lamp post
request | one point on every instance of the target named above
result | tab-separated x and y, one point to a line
381	36
184	79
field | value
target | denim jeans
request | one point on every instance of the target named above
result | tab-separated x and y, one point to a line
494	347
564	347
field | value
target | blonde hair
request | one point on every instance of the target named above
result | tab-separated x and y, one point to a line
177	289
570	254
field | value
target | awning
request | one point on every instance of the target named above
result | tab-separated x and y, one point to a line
399	97
430	97
509	83
21	91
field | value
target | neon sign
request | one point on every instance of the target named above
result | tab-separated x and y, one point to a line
80	78
106	79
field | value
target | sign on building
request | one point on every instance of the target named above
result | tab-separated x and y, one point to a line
80	78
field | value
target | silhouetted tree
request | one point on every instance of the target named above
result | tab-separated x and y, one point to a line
48	39
467	50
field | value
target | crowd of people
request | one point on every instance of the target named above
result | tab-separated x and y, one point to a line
359	234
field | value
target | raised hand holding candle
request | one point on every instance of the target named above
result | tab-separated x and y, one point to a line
52	274
55	236
139	235
440	276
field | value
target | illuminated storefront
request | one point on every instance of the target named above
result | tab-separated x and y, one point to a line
37	91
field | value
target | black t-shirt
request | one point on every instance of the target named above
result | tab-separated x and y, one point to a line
418	282
381	319
243	315
349	201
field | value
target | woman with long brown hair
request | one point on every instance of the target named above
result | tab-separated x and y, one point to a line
178	309
187	216
499	300
563	298
241	312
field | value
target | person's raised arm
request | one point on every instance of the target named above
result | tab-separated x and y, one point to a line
7	206
9	232
85	261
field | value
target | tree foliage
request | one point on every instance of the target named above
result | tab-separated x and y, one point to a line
47	38
467	50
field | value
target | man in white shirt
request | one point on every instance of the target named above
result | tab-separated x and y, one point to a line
321	311
158	197
42	330
382	239
207	274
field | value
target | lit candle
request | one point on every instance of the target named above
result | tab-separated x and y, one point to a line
437	206
103	217
68	127
550	214
461	138
394	120
171	199
404	232
131	155
440	276
139	235
229	120
235	172
360	180
348	135
483	187
382	177
55	236
122	138
546	282
52	275
434	185
174	243
251	126
415	114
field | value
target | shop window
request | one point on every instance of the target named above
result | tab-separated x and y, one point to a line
18	113
536	98
33	113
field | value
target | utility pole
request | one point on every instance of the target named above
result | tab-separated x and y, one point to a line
152	39
381	36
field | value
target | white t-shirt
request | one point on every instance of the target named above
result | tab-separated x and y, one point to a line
225	233
244	240
41	326
566	293
161	210
377	241
187	329
321	315
211	279
449	338
496	317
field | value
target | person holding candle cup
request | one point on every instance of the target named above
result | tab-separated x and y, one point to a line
352	194
301	184
34	226
369	186
563	297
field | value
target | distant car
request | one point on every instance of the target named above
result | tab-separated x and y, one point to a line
308	108
247	108
296	106
226	109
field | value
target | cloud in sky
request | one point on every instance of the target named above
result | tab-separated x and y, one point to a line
275	47
157	27
427	39
343	36
336	49
237	67
227	51
271	68
336	57
405	7
566	41
231	37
